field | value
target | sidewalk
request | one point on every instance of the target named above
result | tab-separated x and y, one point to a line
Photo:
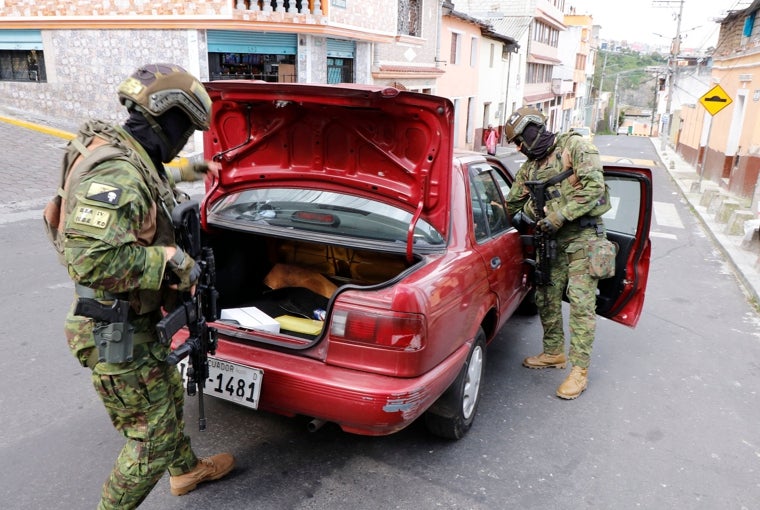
728	219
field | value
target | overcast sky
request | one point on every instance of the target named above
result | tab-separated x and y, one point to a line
640	20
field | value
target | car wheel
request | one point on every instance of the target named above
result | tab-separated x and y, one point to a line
453	413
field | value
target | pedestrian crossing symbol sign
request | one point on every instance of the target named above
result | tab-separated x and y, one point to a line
715	100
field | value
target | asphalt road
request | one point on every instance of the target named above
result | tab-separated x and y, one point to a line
670	419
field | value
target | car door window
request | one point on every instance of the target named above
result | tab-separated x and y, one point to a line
488	207
625	199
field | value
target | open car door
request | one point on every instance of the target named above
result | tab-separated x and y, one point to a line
621	297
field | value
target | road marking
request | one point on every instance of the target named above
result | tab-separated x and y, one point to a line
629	161
663	235
666	215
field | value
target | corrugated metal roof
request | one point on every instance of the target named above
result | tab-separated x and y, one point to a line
511	26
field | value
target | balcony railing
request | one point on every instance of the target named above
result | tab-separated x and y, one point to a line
314	7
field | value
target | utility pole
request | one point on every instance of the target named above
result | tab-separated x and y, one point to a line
614	119
675	48
601	85
614	116
654	103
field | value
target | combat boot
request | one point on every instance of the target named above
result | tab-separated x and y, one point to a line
574	384
208	469
546	360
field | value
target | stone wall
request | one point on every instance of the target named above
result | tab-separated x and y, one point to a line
84	68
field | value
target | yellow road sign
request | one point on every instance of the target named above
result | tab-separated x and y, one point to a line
715	100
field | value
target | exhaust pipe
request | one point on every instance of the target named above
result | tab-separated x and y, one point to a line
315	424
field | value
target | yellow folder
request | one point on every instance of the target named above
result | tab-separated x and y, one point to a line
300	324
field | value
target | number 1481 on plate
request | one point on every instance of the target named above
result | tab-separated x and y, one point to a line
230	381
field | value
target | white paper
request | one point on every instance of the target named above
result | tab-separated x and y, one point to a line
251	318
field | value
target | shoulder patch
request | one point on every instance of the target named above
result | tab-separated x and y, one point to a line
91	216
104	193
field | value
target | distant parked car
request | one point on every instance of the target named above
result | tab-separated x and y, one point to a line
624	130
585	132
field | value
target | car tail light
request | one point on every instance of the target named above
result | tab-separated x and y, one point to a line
381	328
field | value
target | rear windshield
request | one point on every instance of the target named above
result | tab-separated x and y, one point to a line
322	212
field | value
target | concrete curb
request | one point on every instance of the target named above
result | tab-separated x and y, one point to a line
66	135
740	252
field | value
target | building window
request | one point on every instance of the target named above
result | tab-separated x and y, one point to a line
22	65
545	34
340	70
474	52
538	73
252	66
580	61
409	16
456	47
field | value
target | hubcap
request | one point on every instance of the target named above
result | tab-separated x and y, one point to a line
472	382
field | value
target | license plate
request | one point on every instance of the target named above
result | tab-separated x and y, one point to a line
230	381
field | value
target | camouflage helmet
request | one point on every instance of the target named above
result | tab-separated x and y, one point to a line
153	89
520	119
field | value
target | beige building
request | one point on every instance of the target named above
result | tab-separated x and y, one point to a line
725	146
581	54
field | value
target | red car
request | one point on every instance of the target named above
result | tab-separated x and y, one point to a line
362	264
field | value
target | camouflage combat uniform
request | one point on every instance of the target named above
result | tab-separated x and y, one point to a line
582	195
114	237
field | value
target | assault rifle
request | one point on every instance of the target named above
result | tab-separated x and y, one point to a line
544	245
195	310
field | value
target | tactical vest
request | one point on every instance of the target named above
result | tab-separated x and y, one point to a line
560	189
96	143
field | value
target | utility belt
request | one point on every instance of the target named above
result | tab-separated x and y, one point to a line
114	336
588	222
96	356
90	293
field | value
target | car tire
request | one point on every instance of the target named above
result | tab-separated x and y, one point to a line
453	413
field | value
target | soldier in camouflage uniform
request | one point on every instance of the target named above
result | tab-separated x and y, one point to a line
573	212
118	243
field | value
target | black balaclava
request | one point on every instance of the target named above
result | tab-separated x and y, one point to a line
537	141
175	130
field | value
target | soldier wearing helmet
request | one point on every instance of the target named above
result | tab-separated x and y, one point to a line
118	244
572	216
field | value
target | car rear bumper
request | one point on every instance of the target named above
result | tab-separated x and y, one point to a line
359	402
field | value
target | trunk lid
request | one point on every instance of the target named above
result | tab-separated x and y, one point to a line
365	140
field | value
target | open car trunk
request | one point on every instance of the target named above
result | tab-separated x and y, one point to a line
292	281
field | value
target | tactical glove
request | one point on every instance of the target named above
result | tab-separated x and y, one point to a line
551	223
193	171
187	271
